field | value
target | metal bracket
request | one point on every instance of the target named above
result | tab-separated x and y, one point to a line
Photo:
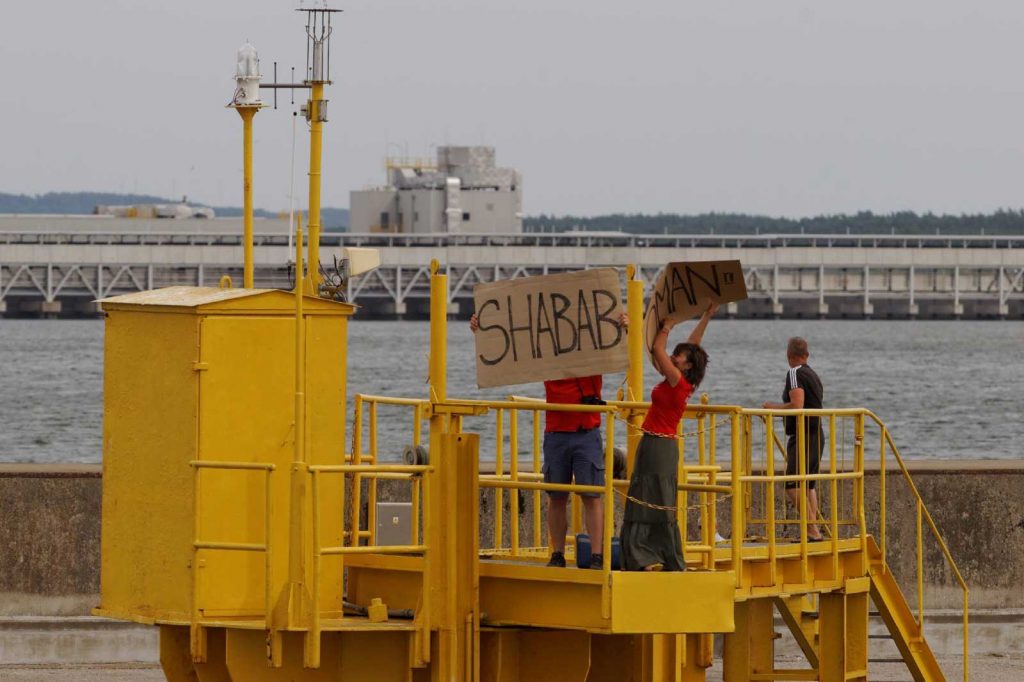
460	410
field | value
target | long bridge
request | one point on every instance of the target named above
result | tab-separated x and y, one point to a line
59	265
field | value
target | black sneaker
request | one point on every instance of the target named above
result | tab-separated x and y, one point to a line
597	561
557	560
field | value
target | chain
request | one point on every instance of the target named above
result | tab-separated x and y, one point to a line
662	507
680	436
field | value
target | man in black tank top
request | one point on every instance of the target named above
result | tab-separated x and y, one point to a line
803	390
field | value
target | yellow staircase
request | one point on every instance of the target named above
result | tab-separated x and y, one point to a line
800	614
906	631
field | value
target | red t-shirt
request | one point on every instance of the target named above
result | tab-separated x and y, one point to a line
571	392
667	406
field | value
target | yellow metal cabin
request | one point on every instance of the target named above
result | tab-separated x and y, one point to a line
199	435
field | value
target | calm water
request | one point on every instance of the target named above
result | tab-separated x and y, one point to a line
946	389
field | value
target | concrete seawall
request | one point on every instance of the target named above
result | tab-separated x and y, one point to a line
49	539
50	542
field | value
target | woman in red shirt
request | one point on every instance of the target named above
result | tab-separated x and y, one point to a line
650	535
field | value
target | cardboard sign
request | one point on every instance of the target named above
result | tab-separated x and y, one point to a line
684	290
549	327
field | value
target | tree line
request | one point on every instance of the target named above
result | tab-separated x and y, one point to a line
1001	222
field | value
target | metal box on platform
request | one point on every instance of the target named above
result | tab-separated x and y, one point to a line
207	375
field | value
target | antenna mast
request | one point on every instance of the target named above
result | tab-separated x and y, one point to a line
318	74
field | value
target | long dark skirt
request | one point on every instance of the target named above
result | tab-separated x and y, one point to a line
651	536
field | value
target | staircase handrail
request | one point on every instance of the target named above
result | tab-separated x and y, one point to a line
917	496
922	512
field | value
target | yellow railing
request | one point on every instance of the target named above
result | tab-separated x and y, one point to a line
366	420
701	423
514	474
199	545
836	476
700	472
838	463
692	478
357	456
414	474
516	480
859	417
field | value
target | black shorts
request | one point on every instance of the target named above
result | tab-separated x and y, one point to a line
814	442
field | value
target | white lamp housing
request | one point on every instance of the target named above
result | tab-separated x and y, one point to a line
247	76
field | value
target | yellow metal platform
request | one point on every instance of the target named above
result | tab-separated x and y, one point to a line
248	535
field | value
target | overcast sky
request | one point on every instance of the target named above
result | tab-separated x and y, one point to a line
788	108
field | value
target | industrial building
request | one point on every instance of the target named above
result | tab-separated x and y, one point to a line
463	192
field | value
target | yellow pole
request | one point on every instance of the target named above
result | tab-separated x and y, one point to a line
881	497
268	531
536	469
738	530
635	373
438	333
712	498
197	636
858	487
801	454
371	488
298	255
315	153
769	437
833	504
247	113
609	514
440	533
438	524
300	379
920	570
705	511
499	469
513	468
312	652
357	480
296	563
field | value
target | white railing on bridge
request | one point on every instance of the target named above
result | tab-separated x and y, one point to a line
543	239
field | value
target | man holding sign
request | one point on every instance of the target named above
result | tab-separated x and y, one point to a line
559	329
